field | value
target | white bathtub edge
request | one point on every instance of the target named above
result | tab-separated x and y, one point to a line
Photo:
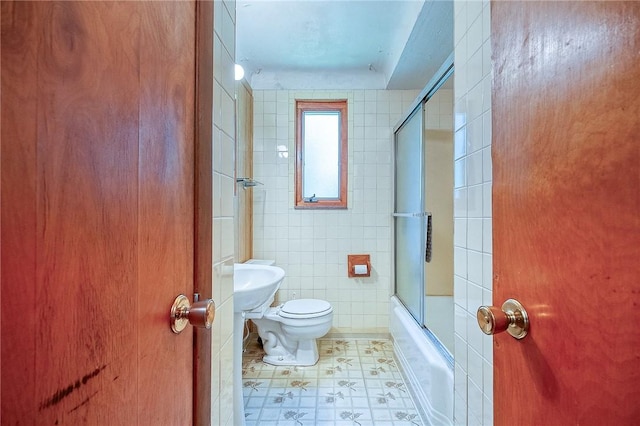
432	386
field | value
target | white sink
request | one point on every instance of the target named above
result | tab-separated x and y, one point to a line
254	285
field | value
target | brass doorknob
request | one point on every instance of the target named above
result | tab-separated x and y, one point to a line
512	318
198	314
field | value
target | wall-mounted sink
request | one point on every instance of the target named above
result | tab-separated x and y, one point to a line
254	285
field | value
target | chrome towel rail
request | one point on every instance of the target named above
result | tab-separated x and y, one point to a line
248	182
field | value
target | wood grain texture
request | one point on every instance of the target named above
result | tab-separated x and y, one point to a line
97	211
74	246
566	223
244	168
203	206
18	225
166	206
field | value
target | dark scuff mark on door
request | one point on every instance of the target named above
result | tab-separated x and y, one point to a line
64	392
82	403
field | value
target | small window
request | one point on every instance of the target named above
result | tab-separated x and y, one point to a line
321	154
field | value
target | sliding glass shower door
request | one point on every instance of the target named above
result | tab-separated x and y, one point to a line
409	216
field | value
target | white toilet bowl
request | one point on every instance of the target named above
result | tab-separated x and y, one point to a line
289	331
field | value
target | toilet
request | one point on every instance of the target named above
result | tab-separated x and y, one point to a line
289	331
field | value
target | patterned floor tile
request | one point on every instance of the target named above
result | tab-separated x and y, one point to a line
356	382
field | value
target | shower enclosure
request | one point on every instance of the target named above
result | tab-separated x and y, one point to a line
409	215
423	212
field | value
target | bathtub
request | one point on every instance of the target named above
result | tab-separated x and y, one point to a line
426	366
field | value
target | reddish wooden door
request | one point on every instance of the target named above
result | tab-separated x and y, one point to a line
97	223
566	210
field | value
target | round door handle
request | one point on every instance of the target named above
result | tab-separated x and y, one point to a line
198	314
512	318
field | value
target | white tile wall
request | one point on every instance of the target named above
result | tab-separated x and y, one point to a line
223	220
312	245
473	248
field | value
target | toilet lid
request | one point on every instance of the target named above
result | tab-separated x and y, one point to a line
307	308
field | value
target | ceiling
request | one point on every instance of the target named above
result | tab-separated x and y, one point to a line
338	44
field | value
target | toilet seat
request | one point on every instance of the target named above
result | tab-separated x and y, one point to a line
305	308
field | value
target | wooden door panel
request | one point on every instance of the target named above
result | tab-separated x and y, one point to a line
566	157
18	229
244	168
166	208
97	211
73	245
203	214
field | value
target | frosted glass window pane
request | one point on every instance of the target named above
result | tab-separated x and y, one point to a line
321	154
410	231
321	176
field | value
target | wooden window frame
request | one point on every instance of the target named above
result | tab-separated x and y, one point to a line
339	105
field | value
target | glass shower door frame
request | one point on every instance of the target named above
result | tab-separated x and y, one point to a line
409	217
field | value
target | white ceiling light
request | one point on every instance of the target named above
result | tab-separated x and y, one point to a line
239	71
